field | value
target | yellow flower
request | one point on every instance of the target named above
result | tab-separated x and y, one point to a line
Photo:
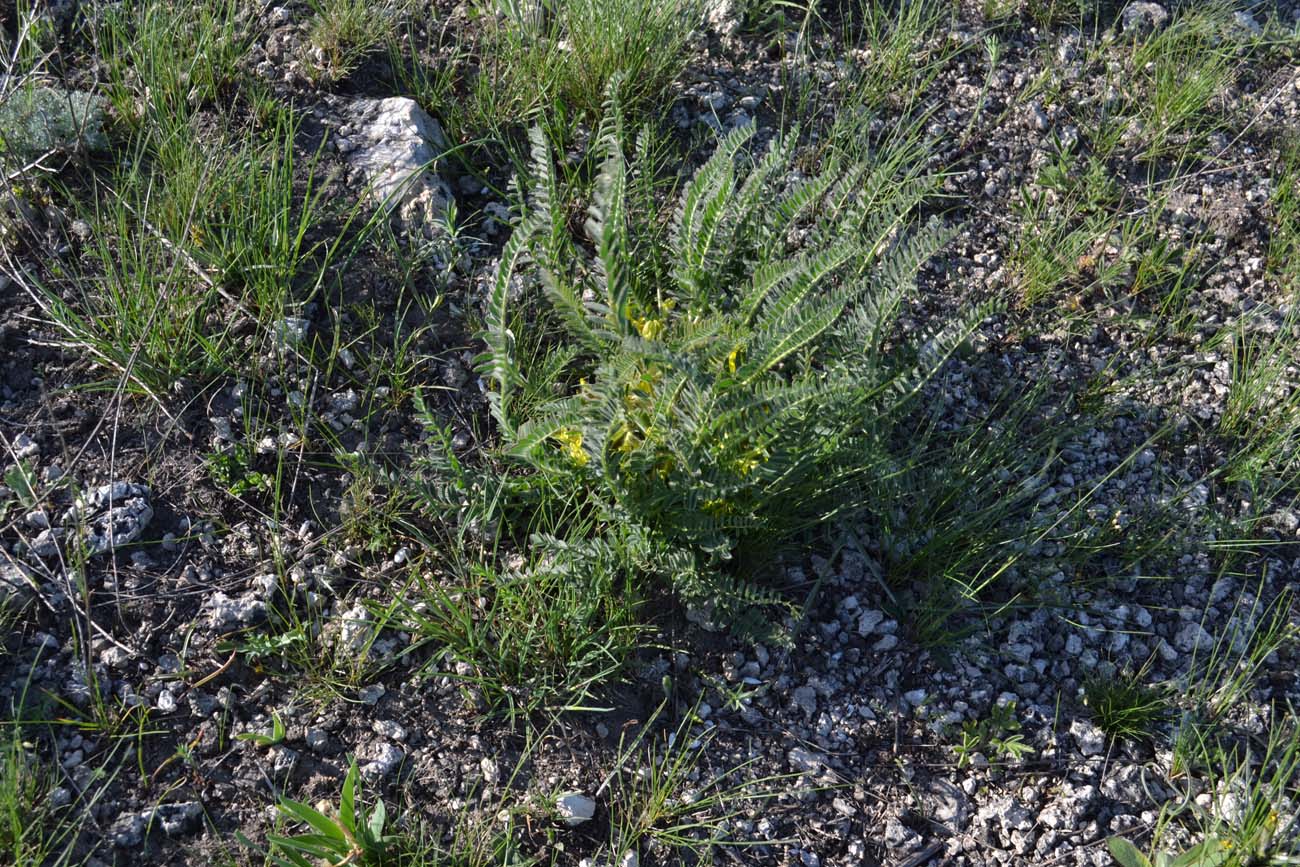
622	439
571	441
717	507
649	329
731	359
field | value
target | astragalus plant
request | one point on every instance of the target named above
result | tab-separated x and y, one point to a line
723	385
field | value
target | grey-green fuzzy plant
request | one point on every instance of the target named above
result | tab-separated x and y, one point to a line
35	120
727	387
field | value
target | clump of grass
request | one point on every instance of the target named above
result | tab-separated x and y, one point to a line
1247	776
900	64
648	808
1125	706
1251	814
1178	73
948	553
546	636
1066	226
1284	238
1083	234
30	830
1221	677
344	31
560	56
140	309
166	59
181	233
1261	417
519	605
1045	13
34	828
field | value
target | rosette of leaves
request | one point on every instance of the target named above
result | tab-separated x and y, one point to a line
730	382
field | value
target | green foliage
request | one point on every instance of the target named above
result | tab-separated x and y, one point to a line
28	830
1254	783
948	552
998	733
180	232
648	808
360	836
1208	853
725	388
1082	232
34	828
544	636
1284	238
1239	782
353	835
1177	74
1261	417
21	481
262	739
345	31
1044	13
1222	676
259	647
166	59
35	120
233	470
562	55
1248	817
1124	705
903	59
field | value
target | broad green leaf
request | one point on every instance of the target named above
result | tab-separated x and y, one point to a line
1126	853
377	820
319	821
348	798
1208	853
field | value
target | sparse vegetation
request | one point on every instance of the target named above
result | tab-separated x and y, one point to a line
700	447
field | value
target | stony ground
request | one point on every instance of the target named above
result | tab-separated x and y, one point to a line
183	567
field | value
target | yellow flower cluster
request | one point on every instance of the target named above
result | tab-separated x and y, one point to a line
571	442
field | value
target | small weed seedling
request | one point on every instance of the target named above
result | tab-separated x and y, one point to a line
262	739
351	836
258	648
998	733
232	469
20	480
